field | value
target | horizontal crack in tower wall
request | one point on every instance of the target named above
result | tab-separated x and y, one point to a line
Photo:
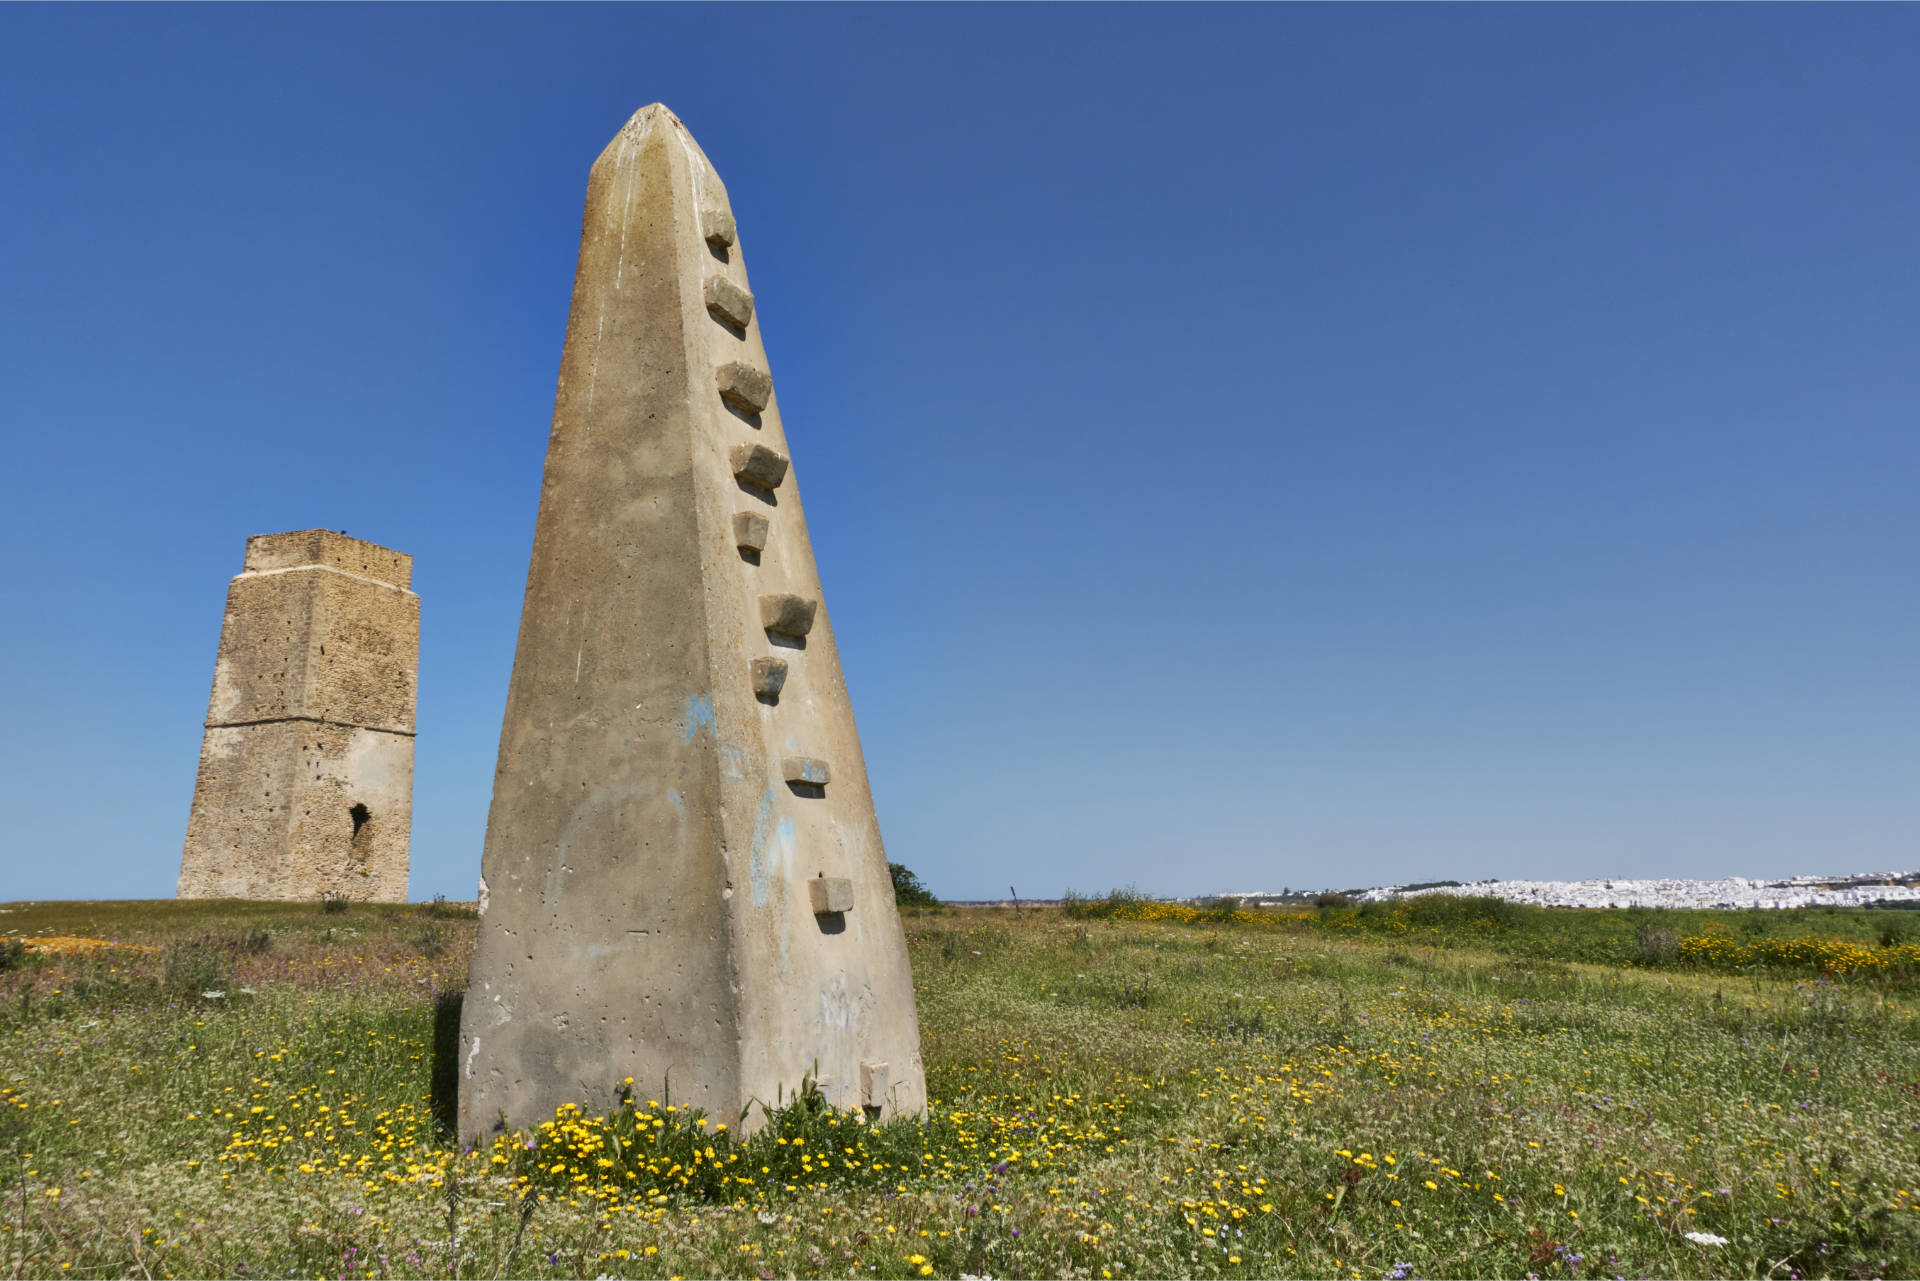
305	787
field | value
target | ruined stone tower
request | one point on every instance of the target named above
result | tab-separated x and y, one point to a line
683	880
306	772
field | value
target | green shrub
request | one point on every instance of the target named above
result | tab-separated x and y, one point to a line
1892	931
1104	908
907	889
191	970
1482	911
1233	1022
1656	945
13	955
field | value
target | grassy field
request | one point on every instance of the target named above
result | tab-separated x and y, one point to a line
1828	940
1135	1090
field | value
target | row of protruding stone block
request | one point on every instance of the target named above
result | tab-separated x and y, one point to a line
786	614
749	390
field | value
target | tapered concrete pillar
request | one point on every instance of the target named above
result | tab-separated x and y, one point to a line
683	880
306	771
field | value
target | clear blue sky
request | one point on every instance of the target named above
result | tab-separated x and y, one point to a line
1244	446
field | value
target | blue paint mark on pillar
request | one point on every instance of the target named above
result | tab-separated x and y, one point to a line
757	870
699	714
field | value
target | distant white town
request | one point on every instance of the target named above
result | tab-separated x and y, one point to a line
1729	892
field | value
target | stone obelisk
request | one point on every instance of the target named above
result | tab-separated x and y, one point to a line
683	880
306	771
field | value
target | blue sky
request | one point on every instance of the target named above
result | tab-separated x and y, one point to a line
1243	446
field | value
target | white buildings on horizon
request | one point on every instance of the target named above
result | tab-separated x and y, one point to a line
1730	892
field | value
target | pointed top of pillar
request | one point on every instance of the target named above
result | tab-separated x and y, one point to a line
707	193
643	120
655	116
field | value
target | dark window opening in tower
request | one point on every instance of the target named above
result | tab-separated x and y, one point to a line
362	830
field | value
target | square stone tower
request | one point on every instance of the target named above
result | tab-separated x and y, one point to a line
306	771
683	880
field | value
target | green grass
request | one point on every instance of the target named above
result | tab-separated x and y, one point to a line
1887	940
1113	1098
1609	935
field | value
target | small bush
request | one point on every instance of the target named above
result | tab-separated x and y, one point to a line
907	889
332	904
1113	904
1482	911
1232	1023
13	955
1118	992
428	942
1331	901
1656	945
191	970
1892	931
256	941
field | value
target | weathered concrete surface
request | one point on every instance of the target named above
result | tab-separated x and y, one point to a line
306	770
646	911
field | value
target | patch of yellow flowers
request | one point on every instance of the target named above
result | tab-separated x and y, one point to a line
1831	956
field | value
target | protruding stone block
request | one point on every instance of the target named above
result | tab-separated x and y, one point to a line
769	676
719	228
750	529
730	302
873	1084
306	771
807	770
786	614
744	387
830	894
758	465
